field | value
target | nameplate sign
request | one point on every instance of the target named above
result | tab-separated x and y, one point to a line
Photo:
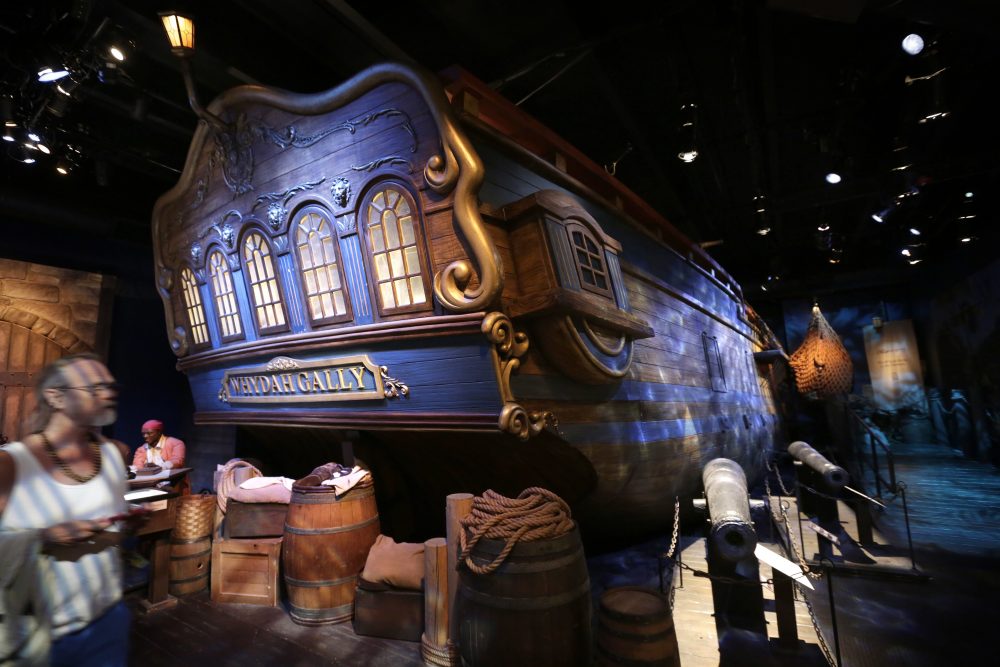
286	380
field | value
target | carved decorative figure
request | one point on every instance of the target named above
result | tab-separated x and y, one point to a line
341	191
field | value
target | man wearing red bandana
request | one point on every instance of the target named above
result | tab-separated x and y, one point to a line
159	449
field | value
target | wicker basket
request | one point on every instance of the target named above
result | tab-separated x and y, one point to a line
195	514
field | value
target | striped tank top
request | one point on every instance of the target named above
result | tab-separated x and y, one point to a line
78	591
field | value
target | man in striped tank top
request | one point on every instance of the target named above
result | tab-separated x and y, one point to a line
64	483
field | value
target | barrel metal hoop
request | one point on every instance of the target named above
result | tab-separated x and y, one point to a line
634	636
206	552
203	538
526	567
527	604
188	580
321	498
326	613
330	531
306	583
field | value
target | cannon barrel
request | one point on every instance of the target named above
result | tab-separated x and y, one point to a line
729	510
833	475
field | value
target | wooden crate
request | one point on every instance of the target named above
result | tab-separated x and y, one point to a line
246	571
254	519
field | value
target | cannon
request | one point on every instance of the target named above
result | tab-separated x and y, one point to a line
732	531
832	475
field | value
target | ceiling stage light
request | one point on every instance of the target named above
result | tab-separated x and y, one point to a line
833	178
913	44
48	74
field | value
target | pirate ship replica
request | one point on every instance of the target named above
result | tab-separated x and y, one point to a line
424	274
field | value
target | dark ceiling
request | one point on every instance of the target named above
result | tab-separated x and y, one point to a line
784	90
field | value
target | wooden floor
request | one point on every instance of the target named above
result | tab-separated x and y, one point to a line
948	616
199	633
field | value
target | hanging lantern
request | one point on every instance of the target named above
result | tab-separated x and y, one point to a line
822	365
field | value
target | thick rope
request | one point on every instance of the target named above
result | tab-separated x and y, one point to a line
536	514
226	483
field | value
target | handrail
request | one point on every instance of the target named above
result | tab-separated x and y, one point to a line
876	437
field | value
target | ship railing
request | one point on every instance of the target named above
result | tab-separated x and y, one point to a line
874	452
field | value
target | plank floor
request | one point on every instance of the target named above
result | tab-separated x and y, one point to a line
947	616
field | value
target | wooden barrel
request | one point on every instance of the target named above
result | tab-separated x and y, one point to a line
325	546
533	610
190	563
636	628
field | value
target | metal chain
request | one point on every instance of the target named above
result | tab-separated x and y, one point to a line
781	482
677	523
783	508
725	580
823	646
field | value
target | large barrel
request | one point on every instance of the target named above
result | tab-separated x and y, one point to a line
325	546
635	627
533	610
190	562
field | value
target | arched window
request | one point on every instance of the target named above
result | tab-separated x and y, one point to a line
319	265
394	247
589	260
263	283
194	308
226	308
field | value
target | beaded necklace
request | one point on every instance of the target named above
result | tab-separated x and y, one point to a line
65	467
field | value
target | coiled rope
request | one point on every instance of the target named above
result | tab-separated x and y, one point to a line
536	514
227	484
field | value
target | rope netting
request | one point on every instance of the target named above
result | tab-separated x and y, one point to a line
822	366
536	514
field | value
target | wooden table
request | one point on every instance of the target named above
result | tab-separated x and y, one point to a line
158	527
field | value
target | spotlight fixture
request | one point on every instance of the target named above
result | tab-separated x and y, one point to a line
914	231
878	217
117	53
43	148
688	142
8	135
760	210
825	227
180	32
50	74
913	43
33	136
63	166
905	252
833	178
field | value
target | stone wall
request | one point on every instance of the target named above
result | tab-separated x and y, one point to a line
63	302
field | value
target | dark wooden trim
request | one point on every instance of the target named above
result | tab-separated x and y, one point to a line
368	420
561	301
423	327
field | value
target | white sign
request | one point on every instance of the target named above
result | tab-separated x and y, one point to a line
894	365
782	564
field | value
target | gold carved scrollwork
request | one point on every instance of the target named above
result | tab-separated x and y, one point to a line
509	346
391	387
